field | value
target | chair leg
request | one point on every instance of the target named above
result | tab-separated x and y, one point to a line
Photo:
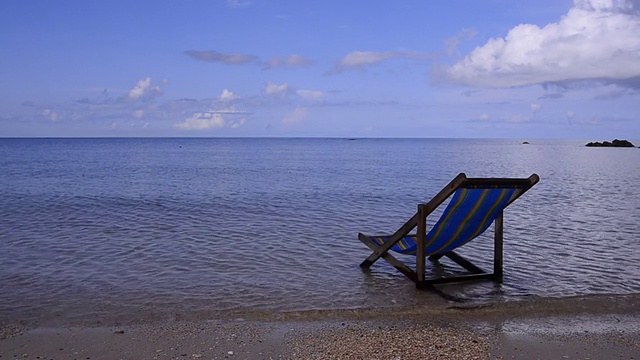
399	265
421	239
497	248
384	248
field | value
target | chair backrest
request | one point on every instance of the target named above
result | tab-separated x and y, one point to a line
475	204
469	213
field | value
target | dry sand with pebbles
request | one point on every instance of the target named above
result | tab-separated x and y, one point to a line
595	327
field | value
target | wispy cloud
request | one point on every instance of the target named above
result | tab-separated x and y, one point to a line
291	61
226	58
535	107
138	114
288	61
451	44
362	59
551	96
597	40
310	94
296	116
238	4
615	93
50	115
273	89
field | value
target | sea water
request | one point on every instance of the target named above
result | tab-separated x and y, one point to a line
128	227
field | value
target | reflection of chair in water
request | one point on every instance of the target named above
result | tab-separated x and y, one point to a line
475	204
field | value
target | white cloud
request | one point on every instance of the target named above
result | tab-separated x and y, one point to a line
598	40
139	89
144	91
201	121
212	119
274	89
535	107
296	116
361	59
50	115
310	94
484	117
228	96
570	115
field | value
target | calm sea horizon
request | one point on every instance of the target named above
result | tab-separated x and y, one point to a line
131	226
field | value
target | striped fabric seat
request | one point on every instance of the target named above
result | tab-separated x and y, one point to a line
469	213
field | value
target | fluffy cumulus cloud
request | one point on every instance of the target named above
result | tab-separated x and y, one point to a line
201	121
228	96
289	61
362	59
144	91
597	40
274	89
226	58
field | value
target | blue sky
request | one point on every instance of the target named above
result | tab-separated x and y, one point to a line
495	68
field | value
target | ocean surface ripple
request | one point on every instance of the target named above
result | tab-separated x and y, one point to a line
169	226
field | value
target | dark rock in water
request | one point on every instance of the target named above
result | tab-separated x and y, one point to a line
614	143
525	143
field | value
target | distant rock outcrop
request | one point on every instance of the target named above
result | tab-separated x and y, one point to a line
525	143
614	143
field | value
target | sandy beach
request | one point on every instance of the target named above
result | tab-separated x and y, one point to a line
593	327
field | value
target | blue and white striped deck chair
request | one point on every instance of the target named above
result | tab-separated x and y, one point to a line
475	204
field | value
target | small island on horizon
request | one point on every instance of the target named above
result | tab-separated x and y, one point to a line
614	143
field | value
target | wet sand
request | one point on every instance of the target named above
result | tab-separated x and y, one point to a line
593	327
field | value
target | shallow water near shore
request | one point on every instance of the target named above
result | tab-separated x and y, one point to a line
129	227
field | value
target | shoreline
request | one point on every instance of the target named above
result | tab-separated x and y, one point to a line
594	326
592	304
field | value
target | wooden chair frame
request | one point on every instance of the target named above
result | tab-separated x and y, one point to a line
419	220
